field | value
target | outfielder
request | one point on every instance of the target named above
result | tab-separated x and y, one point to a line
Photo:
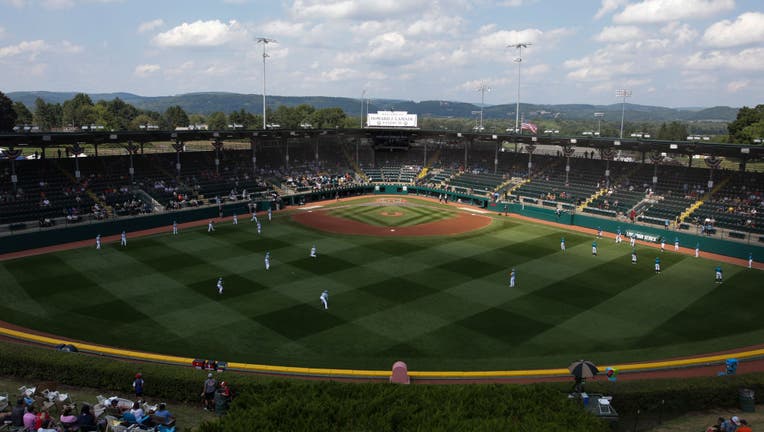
676	244
210	226
562	244
325	299
267	260
594	248
618	238
313	251
174	227
632	240
750	259
123	240
663	244
633	256
697	250
718	274
657	265
220	285
235	219
98	243
512	278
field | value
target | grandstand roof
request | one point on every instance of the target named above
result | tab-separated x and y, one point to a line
632	144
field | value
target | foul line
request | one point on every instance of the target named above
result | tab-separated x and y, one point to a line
360	373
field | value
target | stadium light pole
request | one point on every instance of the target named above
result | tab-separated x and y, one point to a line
482	89
363	95
265	41
518	60
622	93
598	116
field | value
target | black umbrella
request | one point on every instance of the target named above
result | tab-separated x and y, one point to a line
583	369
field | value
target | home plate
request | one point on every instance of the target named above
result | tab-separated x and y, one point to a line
391	229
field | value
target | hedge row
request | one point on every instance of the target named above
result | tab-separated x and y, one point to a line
288	404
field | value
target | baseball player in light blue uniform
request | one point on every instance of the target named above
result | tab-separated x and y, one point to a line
633	256
618	238
676	244
718	274
270	214
657	265
562	244
750	259
594	248
174	227
697	250
235	219
123	240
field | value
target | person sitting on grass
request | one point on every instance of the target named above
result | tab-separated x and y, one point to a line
68	420
163	416
716	427
16	416
744	426
137	411
86	421
29	418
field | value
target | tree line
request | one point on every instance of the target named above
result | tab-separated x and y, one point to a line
116	114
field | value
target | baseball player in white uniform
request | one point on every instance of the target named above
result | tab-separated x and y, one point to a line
220	285
325	299
123	240
98	242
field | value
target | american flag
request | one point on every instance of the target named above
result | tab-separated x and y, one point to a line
530	127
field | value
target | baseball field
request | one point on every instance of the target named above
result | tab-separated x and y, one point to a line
408	280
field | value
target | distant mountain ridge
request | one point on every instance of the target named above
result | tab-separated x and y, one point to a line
209	102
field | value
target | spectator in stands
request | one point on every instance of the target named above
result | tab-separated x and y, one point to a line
86	421
731	424
16	416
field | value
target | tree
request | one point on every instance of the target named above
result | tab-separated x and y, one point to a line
119	114
246	119
674	131
217	121
174	117
23	115
7	113
46	115
328	118
748	125
79	111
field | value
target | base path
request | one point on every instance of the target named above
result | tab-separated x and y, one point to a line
460	223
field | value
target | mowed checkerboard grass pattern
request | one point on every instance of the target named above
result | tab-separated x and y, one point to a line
439	303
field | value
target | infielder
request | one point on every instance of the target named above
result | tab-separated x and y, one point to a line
750	259
325	299
512	278
254	217
562	244
594	248
174	227
270	214
210	226
220	285
313	251
98	244
663	244
123	240
657	265
718	274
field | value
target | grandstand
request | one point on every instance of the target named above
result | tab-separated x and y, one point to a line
48	190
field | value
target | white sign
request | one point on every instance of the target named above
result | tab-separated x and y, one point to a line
642	236
392	119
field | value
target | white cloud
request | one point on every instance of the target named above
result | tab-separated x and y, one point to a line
357	9
283	28
145	70
201	34
680	34
434	25
387	46
337	74
150	25
736	86
656	11
748	28
26	47
607	7
67	47
751	59
619	34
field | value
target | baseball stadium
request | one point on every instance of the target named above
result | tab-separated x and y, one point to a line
469	257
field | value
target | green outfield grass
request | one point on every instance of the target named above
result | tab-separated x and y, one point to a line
437	303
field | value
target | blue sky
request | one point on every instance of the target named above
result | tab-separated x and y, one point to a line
668	52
